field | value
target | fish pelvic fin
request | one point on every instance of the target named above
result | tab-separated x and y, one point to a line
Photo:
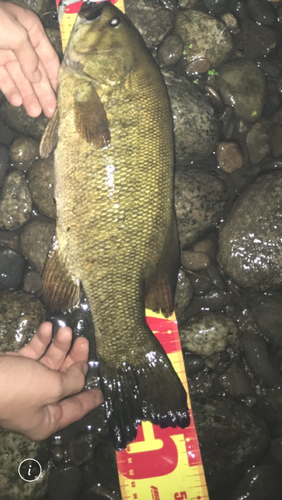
49	138
91	120
61	290
148	390
160	287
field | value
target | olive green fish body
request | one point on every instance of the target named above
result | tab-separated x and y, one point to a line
116	222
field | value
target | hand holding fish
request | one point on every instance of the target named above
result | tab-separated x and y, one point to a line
29	65
41	384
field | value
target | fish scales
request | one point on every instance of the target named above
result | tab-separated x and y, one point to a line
116	222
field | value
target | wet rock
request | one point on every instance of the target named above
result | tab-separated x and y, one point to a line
242	86
41	185
196	126
201	282
208	333
65	482
235	382
229	156
273	401
24	152
267	314
257	40
151	19
275	139
197	66
271	68
21	313
216	277
184	293
170	50
13	450
262	482
10	239
255	352
81	448
199	199
276	450
206	246
262	11
4	162
193	363
11	269
33	283
194	261
231	22
200	34
200	384
15	202
35	242
232	438
17	119
187	4
216	6
257	143
250	241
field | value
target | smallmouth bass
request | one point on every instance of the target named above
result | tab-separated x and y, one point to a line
116	229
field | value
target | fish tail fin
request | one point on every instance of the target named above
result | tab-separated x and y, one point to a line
148	389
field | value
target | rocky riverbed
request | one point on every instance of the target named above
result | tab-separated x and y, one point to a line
222	63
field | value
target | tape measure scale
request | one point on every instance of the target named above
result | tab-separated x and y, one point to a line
160	464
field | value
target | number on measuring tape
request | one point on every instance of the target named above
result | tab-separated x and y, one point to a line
180	496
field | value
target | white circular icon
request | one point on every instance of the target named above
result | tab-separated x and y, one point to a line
29	470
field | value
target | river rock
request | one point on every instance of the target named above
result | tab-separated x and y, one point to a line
267	313
235	382
200	33
262	482
24	152
232	438
151	19
242	86
13	450
200	198
170	50
17	119
21	313
217	6
41	185
255	352
4	162
250	241
257	40
65	482
229	156
258	143
208	333
196	126
262	11
183	294
35	242
11	269
15	202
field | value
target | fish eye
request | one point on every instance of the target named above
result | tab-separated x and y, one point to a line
89	13
114	22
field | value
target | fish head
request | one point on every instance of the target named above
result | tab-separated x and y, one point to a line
104	45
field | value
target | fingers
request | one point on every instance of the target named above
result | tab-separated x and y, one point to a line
39	343
59	415
57	352
79	352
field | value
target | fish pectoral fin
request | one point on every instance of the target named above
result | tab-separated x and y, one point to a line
160	287
146	388
90	116
49	138
61	290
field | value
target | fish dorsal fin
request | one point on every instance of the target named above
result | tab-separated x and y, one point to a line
50	136
90	116
60	288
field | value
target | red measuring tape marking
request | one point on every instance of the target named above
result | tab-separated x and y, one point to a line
160	464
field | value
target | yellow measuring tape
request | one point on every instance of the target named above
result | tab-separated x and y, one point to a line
160	464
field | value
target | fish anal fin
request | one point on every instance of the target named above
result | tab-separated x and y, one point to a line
160	286
61	290
91	120
49	138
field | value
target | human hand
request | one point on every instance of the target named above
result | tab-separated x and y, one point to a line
29	65
39	384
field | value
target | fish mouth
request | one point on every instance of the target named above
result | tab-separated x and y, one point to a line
91	11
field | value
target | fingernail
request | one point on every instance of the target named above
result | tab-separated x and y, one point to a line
37	76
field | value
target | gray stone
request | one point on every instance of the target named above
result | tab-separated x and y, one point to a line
257	141
170	50
151	19
183	295
33	283
24	152
41	185
250	241
232	438
242	86
262	482
17	119
208	333
262	11
11	269
201	34
196	126
267	314
21	313
255	352
257	40
15	202
235	382
35	242
199	199
4	162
